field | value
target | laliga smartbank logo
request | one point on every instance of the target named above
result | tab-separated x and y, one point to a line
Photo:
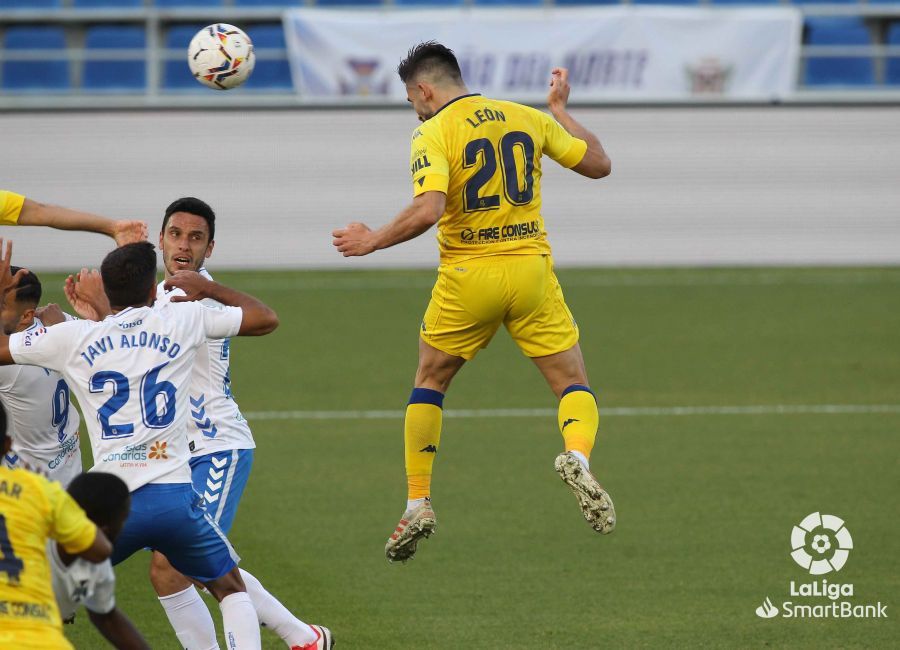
821	544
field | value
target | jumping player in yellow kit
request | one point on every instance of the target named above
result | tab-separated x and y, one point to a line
476	173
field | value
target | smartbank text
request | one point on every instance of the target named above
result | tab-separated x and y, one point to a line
834	609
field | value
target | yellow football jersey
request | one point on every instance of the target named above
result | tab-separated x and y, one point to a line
485	155
10	207
31	510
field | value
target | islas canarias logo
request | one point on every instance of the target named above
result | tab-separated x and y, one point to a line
821	543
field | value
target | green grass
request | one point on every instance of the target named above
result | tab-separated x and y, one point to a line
706	503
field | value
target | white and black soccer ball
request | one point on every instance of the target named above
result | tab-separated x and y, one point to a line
221	56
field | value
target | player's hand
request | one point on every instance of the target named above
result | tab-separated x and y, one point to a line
50	314
558	96
129	232
86	295
354	240
7	279
194	285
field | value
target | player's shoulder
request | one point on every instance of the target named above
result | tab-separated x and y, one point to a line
27	488
429	129
165	308
65	330
164	296
522	111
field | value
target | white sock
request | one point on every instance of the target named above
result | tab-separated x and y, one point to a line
240	622
582	458
414	503
191	620
275	616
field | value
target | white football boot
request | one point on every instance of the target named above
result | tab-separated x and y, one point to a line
596	505
414	525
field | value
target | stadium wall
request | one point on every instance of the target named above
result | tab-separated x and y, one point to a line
690	186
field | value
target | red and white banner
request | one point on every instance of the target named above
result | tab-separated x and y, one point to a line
613	54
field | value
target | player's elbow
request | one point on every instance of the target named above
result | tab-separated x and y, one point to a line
264	322
594	165
430	218
100	550
271	322
601	168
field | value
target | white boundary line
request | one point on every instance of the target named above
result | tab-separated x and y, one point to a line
624	411
650	279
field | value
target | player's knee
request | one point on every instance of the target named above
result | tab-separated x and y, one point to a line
437	371
230	583
434	379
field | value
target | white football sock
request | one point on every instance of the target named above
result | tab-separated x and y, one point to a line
276	616
582	458
191	620
240	622
414	503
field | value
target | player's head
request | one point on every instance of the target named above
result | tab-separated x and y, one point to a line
129	275
5	440
105	500
17	311
188	235
430	69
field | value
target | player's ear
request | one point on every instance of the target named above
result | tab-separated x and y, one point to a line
209	249
425	89
27	317
153	293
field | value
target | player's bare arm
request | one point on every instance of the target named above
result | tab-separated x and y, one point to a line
99	550
595	164
358	239
86	296
54	216
258	318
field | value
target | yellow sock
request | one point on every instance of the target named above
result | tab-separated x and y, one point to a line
422	435
578	419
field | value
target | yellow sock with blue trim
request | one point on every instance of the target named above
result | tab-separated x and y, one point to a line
578	419
422	436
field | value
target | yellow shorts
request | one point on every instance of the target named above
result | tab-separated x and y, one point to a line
472	298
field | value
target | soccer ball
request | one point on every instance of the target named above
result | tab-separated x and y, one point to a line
221	56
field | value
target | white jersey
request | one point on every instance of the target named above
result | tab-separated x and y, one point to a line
81	583
42	423
216	420
131	374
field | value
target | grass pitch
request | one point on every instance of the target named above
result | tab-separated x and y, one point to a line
706	501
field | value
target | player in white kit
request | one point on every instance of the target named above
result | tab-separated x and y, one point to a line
221	443
131	374
42	423
106	501
221	446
